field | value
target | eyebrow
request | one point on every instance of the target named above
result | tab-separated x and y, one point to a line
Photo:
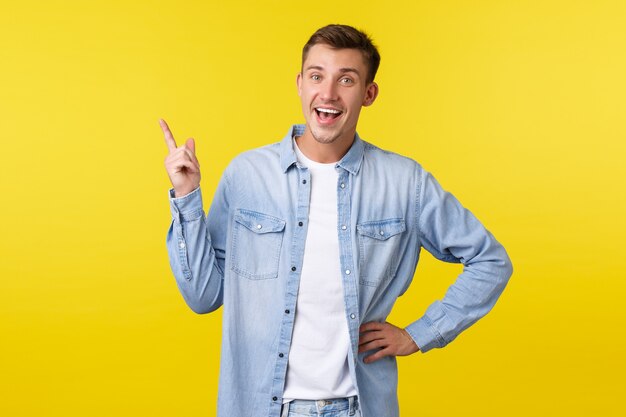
341	70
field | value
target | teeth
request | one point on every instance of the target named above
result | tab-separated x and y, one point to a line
328	110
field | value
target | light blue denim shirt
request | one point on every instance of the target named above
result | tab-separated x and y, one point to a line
246	255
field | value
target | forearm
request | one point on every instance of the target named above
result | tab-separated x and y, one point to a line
193	259
453	234
470	298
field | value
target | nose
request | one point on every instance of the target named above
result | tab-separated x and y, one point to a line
328	90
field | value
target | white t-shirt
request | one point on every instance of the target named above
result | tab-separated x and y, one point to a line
318	358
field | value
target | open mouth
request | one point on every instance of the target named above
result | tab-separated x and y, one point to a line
327	115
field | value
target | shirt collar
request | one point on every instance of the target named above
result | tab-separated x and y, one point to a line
351	161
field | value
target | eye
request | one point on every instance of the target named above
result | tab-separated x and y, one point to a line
316	77
346	80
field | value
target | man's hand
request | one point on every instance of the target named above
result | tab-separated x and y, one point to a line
387	338
181	164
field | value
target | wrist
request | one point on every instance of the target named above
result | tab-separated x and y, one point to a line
181	192
414	346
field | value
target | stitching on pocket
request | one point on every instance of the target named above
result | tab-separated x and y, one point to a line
377	242
256	245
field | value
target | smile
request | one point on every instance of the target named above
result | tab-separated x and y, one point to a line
326	114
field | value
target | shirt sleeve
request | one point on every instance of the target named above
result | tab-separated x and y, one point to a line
196	247
452	233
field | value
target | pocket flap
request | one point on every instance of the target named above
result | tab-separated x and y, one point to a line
382	229
259	222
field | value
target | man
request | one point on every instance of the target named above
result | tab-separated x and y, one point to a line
308	243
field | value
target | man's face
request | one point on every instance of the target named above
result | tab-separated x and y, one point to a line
332	87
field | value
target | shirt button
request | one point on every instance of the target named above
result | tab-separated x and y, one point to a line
300	223
347	272
382	233
182	245
274	398
280	355
258	226
343	227
293	268
353	316
286	311
303	181
343	185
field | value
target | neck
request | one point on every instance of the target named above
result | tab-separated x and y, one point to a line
324	153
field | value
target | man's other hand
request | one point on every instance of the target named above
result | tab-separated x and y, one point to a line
181	163
387	339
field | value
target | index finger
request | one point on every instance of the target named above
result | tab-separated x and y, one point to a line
169	138
371	325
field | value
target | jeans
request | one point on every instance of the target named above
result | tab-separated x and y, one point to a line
336	407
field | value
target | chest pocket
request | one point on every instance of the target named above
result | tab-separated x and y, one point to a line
379	244
256	244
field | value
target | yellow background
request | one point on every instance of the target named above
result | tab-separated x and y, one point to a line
516	107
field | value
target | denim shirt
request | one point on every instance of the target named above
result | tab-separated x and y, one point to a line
247	253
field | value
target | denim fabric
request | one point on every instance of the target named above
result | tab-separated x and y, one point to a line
246	255
338	407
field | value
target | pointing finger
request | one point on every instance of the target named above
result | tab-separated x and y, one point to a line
169	138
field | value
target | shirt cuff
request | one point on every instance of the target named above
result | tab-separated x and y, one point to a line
186	208
425	335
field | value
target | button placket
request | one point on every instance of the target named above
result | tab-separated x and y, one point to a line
296	254
350	279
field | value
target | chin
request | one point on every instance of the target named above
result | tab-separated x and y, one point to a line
325	138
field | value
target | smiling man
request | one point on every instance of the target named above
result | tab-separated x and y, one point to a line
308	243
334	84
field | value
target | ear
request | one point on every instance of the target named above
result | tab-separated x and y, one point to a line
371	93
299	83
